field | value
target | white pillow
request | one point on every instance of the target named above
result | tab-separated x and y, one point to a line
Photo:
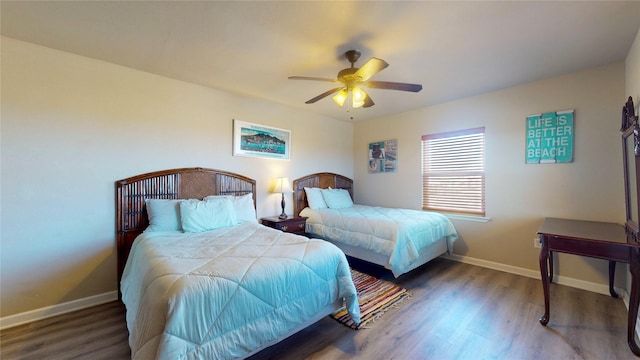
244	209
164	215
198	216
337	198
315	198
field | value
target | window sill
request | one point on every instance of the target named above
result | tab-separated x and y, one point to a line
467	217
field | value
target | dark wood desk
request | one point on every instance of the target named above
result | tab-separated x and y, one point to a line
594	239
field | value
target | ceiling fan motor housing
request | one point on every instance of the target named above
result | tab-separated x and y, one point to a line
348	76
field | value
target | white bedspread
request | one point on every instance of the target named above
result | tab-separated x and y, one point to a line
398	234
224	293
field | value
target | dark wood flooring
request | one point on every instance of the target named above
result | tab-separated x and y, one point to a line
457	311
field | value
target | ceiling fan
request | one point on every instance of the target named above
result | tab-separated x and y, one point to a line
352	79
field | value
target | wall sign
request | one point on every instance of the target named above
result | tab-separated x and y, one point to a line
550	137
383	156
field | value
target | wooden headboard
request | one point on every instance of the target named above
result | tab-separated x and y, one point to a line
184	183
319	180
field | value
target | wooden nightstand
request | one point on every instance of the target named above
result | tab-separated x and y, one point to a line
294	225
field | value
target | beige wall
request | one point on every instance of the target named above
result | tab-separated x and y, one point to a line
71	126
518	195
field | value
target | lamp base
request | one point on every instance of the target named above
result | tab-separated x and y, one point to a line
283	215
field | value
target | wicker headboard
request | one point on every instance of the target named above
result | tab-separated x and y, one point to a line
185	183
319	180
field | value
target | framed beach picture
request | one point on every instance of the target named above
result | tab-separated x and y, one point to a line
260	140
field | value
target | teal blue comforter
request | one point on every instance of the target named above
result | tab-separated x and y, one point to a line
224	293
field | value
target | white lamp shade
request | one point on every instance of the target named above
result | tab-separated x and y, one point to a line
282	185
357	96
340	97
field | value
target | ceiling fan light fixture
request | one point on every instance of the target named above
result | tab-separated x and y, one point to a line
341	97
358	97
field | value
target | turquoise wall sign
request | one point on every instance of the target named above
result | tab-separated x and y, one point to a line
550	137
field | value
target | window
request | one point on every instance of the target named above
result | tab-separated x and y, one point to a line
453	172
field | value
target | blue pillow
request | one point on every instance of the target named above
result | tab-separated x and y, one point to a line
199	216
337	198
164	215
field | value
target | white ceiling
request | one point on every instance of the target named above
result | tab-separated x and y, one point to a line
454	49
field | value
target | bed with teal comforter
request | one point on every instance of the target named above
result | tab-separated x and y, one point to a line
402	238
226	293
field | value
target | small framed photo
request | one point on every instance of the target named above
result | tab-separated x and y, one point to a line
383	156
260	141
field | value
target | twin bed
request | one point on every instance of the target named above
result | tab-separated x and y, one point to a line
398	239
201	278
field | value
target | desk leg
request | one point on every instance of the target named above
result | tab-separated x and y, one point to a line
550	267
544	272
612	274
633	301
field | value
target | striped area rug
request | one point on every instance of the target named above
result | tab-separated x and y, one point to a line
375	296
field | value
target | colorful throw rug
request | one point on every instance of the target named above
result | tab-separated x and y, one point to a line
374	297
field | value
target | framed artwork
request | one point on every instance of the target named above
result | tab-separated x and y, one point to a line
383	156
260	140
550	137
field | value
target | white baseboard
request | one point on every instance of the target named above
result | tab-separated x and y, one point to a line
59	309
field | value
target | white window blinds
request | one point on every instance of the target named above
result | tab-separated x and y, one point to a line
453	172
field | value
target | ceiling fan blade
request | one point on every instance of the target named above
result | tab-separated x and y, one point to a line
311	78
324	95
393	86
370	68
368	102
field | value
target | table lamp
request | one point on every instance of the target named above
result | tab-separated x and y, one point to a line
282	186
